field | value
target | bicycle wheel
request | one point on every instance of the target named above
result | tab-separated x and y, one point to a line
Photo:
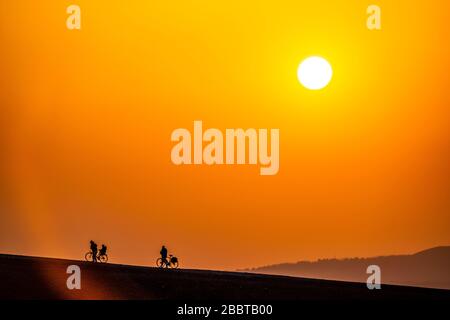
160	263
88	256
174	264
103	258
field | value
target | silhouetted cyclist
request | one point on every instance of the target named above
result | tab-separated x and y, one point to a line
103	250
163	253
94	250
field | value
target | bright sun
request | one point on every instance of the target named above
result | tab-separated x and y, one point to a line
314	73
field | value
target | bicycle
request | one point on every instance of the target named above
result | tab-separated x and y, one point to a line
172	262
102	258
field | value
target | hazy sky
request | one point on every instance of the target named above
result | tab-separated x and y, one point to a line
86	117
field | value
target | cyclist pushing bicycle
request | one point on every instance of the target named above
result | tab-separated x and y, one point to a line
163	262
97	255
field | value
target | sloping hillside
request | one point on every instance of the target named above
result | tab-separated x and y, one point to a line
43	278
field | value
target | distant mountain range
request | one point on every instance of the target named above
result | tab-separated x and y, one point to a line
428	268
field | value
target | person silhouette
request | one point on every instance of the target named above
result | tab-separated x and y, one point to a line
163	253
94	250
103	250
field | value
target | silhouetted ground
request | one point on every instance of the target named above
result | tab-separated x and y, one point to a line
24	277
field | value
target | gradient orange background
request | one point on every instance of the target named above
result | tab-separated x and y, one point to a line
86	118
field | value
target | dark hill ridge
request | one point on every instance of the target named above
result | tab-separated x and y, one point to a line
428	268
24	277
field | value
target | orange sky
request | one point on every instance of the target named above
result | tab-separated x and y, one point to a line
86	118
